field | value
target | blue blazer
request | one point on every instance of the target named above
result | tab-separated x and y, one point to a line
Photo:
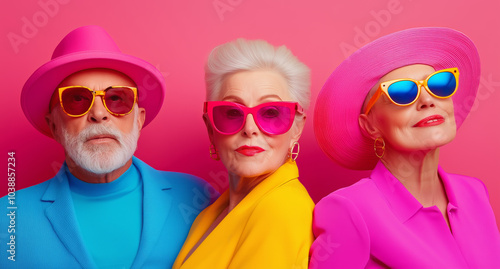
47	234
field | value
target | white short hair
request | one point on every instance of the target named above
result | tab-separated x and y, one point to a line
250	55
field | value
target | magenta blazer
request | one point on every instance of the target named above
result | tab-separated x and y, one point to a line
377	223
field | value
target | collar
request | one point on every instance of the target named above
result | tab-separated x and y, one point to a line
124	184
60	183
449	188
401	201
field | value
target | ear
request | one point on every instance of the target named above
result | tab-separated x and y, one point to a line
367	126
141	117
49	118
210	129
297	129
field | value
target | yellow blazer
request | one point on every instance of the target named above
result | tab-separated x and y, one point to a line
269	228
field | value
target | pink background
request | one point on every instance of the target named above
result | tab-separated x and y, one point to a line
176	36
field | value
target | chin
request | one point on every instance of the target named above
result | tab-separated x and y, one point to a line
434	137
434	142
249	169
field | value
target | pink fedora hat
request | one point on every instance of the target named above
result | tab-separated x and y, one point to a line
341	98
83	48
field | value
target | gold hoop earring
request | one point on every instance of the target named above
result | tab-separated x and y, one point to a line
294	155
379	146
214	154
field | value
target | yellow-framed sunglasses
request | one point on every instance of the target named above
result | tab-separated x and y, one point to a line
404	92
77	101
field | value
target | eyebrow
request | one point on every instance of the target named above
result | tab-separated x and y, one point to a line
233	98
270	96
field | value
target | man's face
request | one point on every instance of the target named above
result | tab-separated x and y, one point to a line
98	141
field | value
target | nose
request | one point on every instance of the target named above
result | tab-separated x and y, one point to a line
98	112
250	128
425	100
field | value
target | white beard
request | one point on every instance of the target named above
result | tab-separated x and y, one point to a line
101	159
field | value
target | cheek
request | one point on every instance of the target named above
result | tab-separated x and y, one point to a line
452	125
393	122
224	144
449	108
279	145
281	142
71	125
125	124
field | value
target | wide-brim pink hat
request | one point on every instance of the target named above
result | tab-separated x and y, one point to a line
339	103
84	48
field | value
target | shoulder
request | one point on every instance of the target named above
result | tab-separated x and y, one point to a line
360	194
467	186
291	195
183	180
352	206
360	188
175	179
341	228
338	209
31	193
344	212
191	185
29	204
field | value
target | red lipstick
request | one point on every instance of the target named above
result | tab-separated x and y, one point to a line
430	121
248	150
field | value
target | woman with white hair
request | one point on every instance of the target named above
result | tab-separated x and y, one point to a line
254	115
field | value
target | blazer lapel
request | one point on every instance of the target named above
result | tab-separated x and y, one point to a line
61	215
233	224
156	208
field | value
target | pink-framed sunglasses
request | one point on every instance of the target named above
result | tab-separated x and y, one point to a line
273	118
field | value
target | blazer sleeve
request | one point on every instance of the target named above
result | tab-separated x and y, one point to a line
342	238
277	235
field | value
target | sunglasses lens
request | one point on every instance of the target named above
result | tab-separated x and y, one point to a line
76	101
275	119
442	84
228	119
403	92
119	100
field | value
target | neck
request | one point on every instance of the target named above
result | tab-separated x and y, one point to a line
240	187
418	172
90	177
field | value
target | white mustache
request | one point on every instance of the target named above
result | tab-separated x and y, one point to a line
98	129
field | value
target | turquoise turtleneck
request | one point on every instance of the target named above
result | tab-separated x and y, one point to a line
110	217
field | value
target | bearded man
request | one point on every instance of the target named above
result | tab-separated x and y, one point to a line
105	208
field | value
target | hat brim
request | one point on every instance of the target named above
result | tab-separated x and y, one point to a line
38	89
340	101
